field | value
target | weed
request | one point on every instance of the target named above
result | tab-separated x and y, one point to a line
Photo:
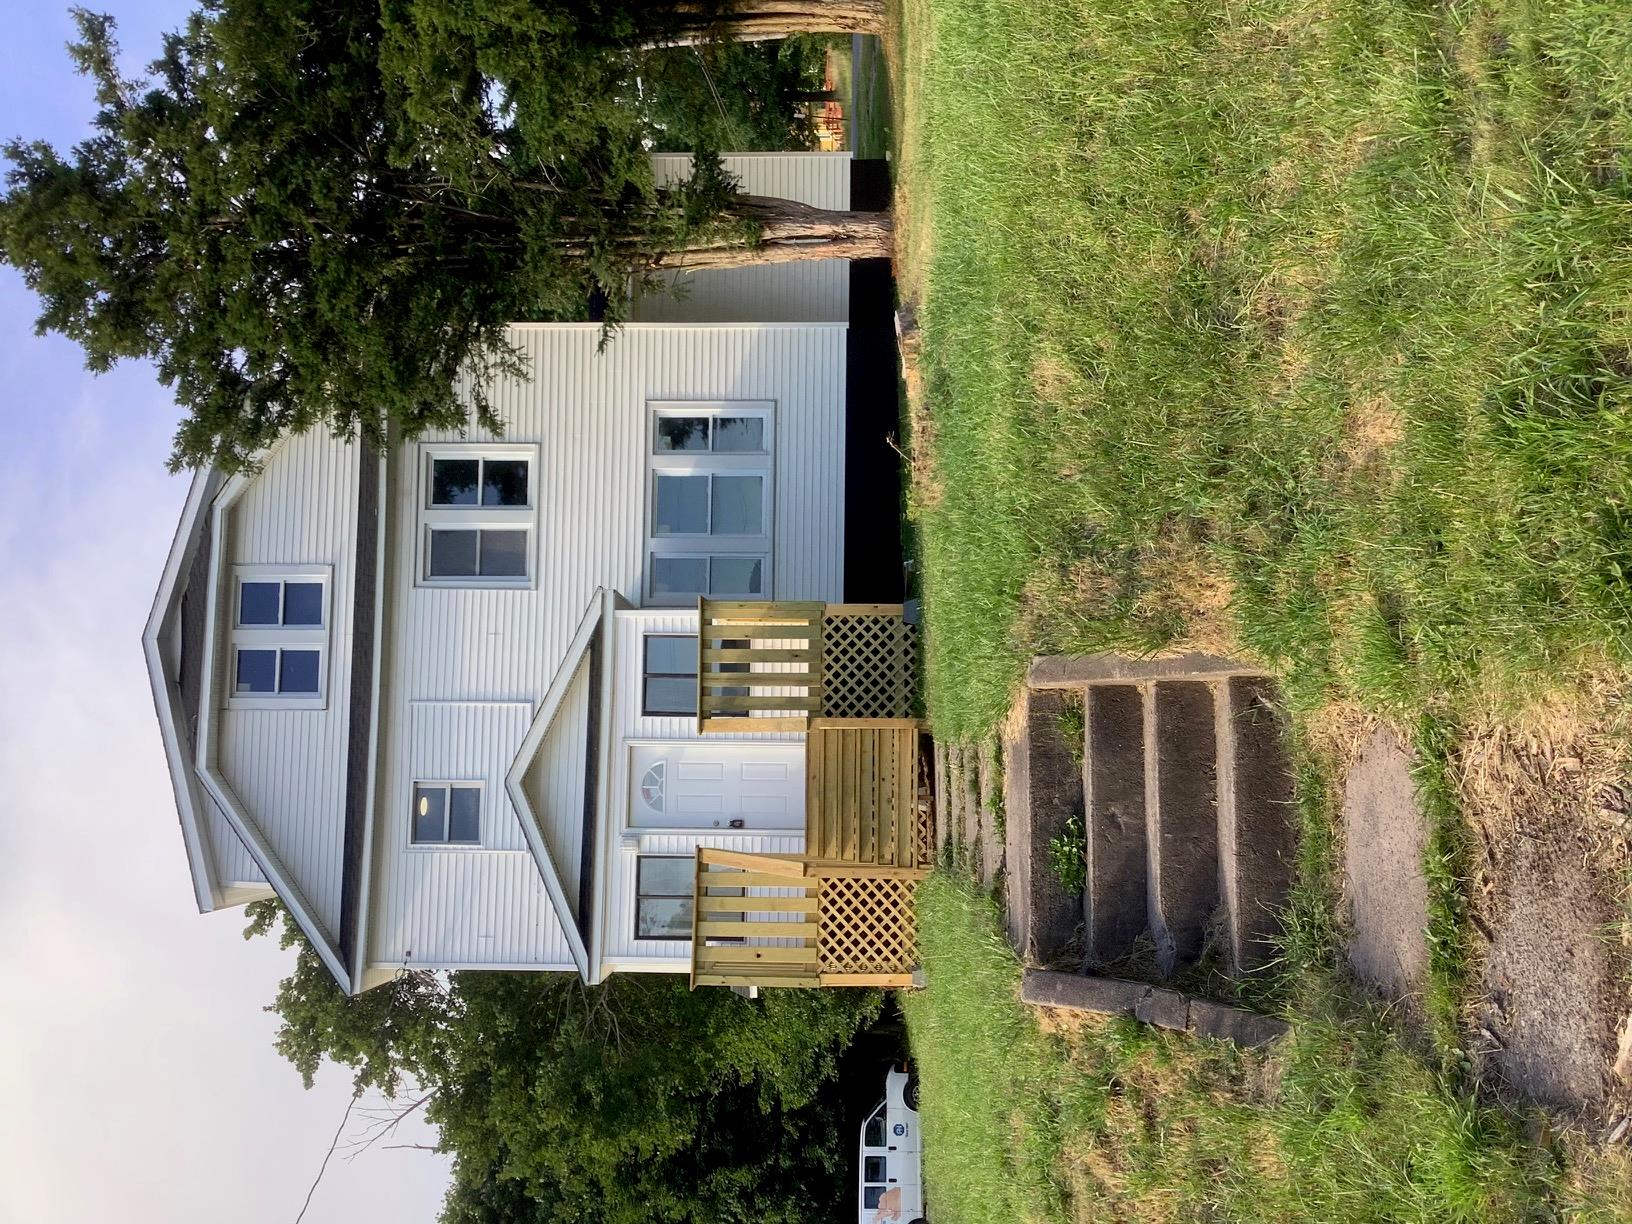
1068	856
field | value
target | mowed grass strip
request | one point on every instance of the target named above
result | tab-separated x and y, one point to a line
1299	328
1114	1121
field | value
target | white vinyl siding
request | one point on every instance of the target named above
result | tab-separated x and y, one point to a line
808	291
456	905
588	415
288	765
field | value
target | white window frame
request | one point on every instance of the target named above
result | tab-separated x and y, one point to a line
279	637
640	896
703	546
448	784
474	518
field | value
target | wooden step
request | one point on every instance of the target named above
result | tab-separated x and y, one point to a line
1257	825
1183	818
1115	904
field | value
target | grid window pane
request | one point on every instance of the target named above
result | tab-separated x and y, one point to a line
663	918
453	554
504	482
681	506
871	1196
682	433
737	576
453	481
679	575
258	603
739	435
257	672
664	876
504	554
430	813
670	695
739	505
872	1169
671	655
303	603
464	815
299	674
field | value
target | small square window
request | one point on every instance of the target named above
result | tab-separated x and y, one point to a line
454	554
737	505
679	576
454	481
447	814
257	672
736	576
258	603
504	554
504	483
298	672
681	506
303	604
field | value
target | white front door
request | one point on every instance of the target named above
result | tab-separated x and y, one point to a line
725	786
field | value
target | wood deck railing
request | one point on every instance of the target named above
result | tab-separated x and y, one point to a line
775	666
786	920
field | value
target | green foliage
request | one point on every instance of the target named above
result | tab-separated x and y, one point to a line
321	213
738	96
638	1100
1068	856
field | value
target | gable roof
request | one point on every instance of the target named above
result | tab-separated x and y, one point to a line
569	884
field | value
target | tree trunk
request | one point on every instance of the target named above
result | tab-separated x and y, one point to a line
790	231
760	20
813	95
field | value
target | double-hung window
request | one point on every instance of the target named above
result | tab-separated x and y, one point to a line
709	506
280	637
478	507
447	814
663	885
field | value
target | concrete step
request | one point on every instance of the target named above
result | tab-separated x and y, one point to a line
1042	795
1181	797
1115	906
1257	820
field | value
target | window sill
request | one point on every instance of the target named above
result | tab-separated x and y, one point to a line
273	701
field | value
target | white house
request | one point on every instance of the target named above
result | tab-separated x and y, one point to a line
443	702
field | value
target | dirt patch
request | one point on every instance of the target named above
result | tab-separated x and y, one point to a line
1549	803
1385	836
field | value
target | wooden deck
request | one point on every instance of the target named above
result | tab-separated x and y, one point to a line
784	920
861	792
841	914
775	666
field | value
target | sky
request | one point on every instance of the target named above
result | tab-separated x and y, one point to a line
138	1082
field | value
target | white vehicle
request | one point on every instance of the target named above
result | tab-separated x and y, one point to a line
891	1176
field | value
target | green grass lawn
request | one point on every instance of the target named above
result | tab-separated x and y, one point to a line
1114	1121
1301	331
1301	326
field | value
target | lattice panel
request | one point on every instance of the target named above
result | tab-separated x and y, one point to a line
870	666
867	926
924	801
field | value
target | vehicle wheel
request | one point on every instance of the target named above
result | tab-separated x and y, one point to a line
920	1220
910	1094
